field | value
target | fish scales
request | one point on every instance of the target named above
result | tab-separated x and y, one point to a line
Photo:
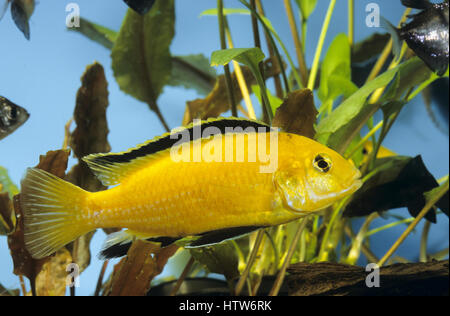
166	197
203	190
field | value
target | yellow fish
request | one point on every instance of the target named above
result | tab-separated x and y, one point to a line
209	182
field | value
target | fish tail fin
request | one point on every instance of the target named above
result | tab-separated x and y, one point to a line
395	35
52	210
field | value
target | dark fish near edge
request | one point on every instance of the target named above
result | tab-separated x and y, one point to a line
12	117
426	34
140	6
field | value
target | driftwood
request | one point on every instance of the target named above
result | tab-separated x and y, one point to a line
326	278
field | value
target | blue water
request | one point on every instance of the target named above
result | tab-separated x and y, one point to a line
43	75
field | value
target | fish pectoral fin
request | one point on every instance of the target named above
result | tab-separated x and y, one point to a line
117	244
218	236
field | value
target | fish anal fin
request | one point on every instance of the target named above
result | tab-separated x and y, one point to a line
218	236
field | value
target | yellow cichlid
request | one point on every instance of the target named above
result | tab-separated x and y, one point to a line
210	182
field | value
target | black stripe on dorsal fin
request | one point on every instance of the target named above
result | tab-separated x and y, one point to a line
110	168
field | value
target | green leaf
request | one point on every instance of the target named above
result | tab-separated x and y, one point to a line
226	11
410	73
220	258
338	129
275	102
248	56
335	75
6	185
141	58
193	72
100	34
306	7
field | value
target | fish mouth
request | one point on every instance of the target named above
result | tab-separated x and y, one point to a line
357	182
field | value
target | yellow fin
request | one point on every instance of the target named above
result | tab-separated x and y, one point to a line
52	212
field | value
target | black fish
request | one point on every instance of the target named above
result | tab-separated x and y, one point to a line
140	6
12	117
21	11
426	34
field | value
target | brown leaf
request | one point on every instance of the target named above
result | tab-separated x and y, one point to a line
6	214
51	280
216	102
134	273
54	162
326	278
90	136
297	114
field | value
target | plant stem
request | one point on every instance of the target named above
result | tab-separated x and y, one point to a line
251	259
270	48
282	273
223	45
323	33
386	51
98	287
365	138
297	43
351	21
239	76
277	53
424	241
182	277
413	225
155	108
387	226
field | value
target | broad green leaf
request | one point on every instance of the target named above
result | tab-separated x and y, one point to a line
226	11
306	7
247	56
98	33
193	72
335	75
141	58
338	129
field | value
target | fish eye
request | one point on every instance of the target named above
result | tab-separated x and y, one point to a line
11	112
322	163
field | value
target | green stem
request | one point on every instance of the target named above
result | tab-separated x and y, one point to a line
365	139
323	33
297	43
223	45
387	226
271	32
422	213
424	241
351	21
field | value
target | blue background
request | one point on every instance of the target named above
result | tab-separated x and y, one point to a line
43	76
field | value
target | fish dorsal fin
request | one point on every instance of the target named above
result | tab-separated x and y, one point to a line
112	168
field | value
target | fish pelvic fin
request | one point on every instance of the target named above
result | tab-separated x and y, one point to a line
52	210
117	244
